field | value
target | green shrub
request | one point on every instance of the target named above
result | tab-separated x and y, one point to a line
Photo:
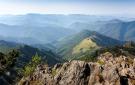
28	70
36	59
31	66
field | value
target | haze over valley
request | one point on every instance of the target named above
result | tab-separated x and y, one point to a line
67	42
55	27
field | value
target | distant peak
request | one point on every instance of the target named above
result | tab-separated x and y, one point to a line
115	21
88	32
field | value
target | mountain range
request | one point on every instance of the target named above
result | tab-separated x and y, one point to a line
30	34
26	53
66	35
43	29
120	30
75	46
45	40
83	42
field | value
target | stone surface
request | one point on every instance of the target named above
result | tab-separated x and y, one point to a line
108	70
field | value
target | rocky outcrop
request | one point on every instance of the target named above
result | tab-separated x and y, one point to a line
108	70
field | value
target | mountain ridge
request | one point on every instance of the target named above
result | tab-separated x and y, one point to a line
26	52
66	46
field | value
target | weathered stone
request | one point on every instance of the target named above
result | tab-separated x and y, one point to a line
112	71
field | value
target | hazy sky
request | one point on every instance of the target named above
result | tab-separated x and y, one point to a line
94	7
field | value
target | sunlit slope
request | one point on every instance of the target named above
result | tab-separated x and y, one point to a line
82	43
85	45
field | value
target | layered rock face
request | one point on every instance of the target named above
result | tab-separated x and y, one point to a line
108	70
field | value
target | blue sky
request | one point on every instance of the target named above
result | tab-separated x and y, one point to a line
92	7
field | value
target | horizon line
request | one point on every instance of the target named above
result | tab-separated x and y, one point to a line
116	15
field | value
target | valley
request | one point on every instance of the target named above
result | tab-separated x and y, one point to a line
47	50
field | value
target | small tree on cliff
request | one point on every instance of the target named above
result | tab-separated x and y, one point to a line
31	66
